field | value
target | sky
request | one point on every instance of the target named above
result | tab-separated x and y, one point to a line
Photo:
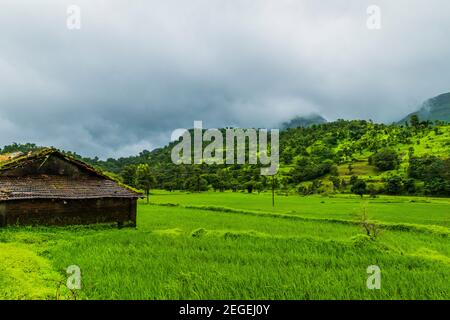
137	70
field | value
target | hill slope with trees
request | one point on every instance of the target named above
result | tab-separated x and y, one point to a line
355	156
437	108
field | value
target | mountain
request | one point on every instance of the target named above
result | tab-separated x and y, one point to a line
313	159
304	121
437	108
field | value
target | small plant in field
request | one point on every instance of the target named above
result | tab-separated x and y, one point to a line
66	294
372	229
198	233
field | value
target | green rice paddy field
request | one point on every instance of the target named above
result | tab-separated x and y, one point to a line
236	246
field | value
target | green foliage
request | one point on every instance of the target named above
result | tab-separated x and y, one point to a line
435	172
409	186
359	188
311	157
25	275
308	169
336	182
414	120
196	184
386	159
353	179
437	186
429	167
128	174
144	178
394	185
236	246
17	147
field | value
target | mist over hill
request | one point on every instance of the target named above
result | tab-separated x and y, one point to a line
437	108
333	157
304	121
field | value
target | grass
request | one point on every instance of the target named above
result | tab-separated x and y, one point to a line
395	209
25	275
236	246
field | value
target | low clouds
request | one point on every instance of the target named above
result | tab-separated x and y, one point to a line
136	71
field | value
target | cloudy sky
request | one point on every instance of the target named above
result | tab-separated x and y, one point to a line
137	70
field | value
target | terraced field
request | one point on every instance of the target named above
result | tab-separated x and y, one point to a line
236	246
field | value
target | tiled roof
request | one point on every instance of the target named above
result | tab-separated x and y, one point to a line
60	187
96	184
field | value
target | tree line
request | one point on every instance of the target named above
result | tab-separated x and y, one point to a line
312	160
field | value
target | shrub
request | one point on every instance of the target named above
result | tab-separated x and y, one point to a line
394	185
438	187
386	159
409	186
359	188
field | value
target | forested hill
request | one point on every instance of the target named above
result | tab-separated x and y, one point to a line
437	108
343	156
305	121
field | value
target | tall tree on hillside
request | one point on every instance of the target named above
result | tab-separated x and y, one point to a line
415	122
128	174
145	179
384	160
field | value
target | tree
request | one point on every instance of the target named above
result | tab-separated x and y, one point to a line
384	160
359	188
372	191
322	152
169	185
249	186
415	122
308	169
394	185
336	182
411	152
196	183
259	186
437	187
128	174
372	229
334	171
214	181
353	179
350	168
429	167
410	186
145	179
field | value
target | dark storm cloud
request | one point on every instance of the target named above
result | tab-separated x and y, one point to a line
136	71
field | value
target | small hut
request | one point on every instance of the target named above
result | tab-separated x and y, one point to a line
48	187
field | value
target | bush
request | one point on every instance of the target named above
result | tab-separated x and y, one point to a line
394	185
409	186
428	168
309	169
196	184
359	188
386	159
372	190
438	187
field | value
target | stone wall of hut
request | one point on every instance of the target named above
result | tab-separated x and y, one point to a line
68	212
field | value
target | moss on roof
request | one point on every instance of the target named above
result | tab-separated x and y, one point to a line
4	157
